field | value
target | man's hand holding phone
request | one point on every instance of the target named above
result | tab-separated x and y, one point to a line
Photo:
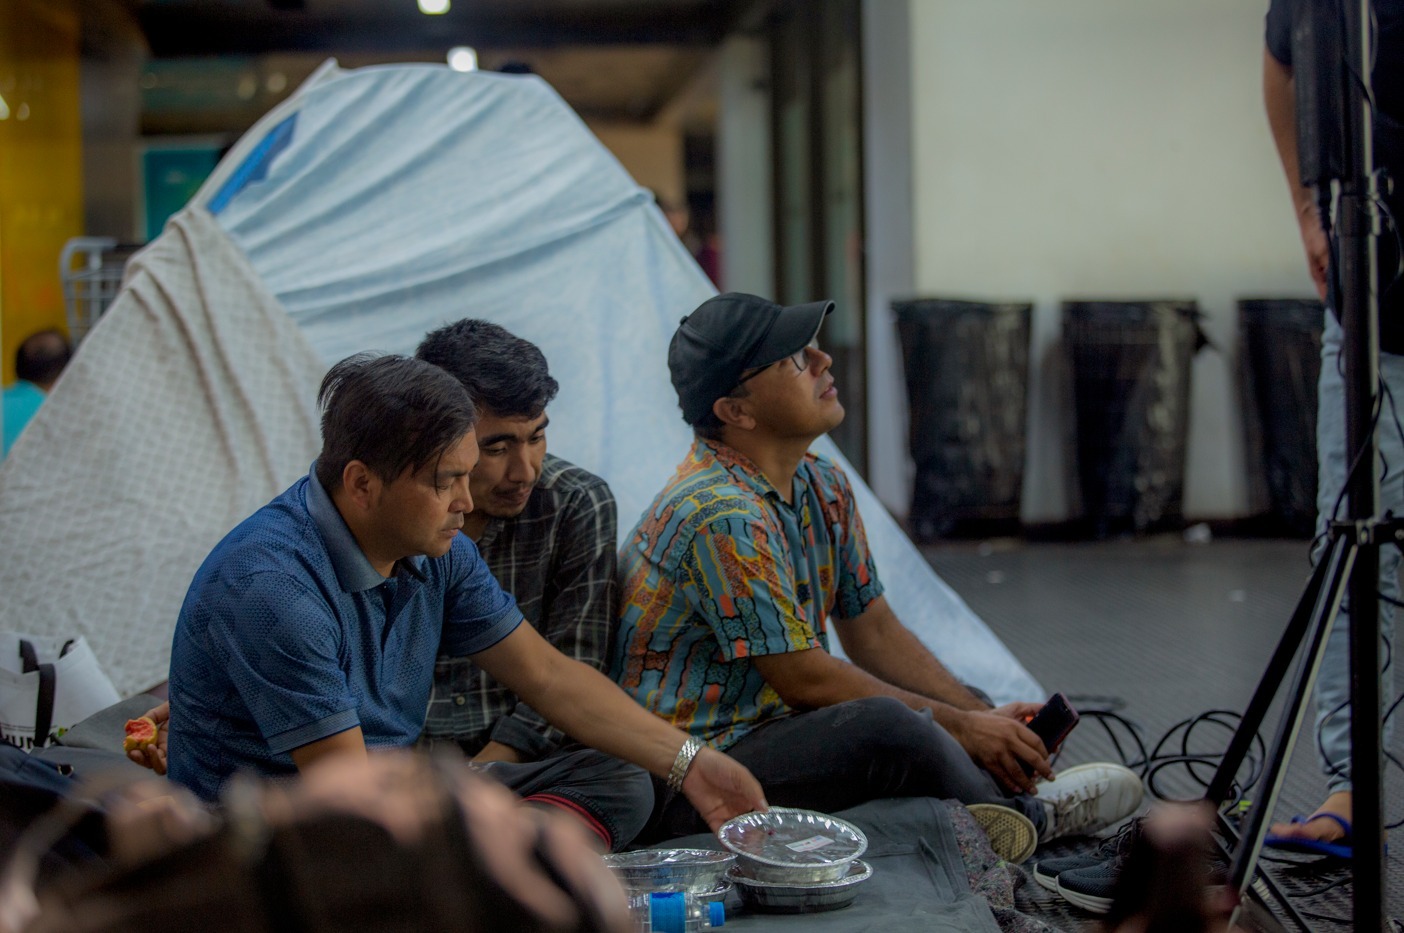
1052	723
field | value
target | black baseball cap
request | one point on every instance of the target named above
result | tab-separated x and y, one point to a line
730	334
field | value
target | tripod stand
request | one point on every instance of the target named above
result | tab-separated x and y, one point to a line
1351	561
1339	568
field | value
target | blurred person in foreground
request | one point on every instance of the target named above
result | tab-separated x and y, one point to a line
311	630
433	847
1168	883
39	360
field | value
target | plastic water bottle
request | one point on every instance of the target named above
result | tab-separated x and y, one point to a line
674	912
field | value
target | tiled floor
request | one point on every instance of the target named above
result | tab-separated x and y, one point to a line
1162	630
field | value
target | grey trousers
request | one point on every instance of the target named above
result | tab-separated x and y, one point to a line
612	797
844	755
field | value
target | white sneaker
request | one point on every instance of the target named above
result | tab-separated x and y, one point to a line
1087	799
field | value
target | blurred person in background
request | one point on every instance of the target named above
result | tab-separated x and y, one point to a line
39	360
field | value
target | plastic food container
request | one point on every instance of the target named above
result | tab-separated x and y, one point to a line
692	871
805	897
788	846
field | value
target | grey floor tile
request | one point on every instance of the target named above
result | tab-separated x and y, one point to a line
1161	631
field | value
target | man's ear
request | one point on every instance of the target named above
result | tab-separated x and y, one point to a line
734	411
360	484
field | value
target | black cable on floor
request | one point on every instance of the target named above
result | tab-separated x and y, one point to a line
1150	764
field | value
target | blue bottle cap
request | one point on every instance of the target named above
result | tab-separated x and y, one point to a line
717	913
669	911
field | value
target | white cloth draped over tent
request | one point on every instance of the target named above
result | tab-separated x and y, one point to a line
367	209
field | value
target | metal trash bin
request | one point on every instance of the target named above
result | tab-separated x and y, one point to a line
1279	353
1129	363
967	373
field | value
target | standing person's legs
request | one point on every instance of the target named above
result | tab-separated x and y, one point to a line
611	797
1333	458
843	755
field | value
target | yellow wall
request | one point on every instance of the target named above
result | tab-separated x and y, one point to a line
41	192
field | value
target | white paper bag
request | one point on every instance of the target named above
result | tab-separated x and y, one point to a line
66	686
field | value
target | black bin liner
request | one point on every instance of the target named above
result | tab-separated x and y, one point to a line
1129	363
1279	355
967	370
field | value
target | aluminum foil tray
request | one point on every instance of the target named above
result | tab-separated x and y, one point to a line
719	893
804	898
789	846
693	871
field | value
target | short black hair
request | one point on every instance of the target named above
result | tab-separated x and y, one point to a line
42	356
503	373
709	426
390	413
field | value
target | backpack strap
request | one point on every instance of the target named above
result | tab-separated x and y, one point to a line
44	703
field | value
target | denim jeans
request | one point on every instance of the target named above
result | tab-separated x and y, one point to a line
843	755
1333	681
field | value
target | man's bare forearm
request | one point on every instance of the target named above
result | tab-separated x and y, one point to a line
1279	99
880	644
815	679
581	702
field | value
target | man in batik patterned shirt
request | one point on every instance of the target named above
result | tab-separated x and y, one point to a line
731	578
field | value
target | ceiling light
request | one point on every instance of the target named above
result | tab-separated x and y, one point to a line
433	7
463	58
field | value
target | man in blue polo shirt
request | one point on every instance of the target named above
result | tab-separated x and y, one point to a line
311	630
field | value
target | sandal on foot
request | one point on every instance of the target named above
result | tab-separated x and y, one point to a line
1340	848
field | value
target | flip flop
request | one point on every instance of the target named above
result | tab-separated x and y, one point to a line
1339	849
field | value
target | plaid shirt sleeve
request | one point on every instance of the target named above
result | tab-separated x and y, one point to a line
579	609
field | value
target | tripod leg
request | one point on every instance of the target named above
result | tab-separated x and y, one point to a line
1271	682
1342	559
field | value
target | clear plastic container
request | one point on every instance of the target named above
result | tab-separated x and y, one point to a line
674	912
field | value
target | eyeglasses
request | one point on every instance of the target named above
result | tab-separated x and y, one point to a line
800	358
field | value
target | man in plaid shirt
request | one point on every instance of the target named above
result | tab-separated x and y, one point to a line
547	529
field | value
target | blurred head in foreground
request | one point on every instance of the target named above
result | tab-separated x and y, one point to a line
395	842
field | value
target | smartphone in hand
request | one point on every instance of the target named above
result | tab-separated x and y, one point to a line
1052	723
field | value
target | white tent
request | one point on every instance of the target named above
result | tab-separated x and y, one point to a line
370	207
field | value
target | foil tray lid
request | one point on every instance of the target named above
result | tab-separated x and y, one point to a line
790	838
857	873
652	858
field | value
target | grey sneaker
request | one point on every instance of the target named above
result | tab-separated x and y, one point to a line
1091	888
1011	834
1047	870
1087	799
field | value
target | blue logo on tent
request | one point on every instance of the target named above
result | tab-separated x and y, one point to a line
255	167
